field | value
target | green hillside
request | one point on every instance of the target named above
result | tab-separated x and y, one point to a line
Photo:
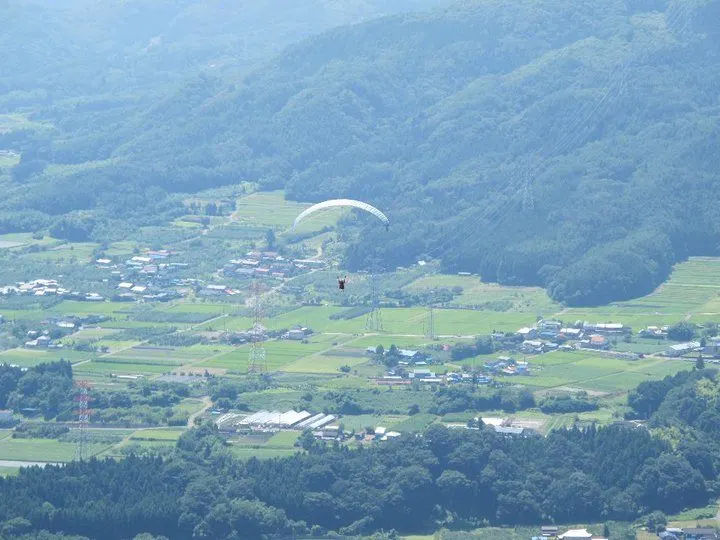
565	144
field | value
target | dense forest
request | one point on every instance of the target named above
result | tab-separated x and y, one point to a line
568	144
47	390
458	478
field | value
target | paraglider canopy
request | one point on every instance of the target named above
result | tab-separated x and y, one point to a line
342	202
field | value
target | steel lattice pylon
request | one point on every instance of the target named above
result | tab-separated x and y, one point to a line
82	398
430	329
257	349
373	322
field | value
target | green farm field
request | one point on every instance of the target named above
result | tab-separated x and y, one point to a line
398	321
80	252
588	371
12	240
163	434
278	354
74	307
692	292
33	357
119	368
46	450
322	363
476	292
168	354
271	209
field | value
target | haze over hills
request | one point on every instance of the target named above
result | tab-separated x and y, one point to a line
568	144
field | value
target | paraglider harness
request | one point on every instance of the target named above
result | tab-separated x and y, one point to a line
341	283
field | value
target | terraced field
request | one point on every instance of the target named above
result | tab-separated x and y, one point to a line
692	292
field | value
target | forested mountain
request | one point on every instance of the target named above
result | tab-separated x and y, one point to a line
79	77
563	143
63	48
444	477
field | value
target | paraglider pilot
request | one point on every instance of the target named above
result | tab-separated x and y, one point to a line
341	283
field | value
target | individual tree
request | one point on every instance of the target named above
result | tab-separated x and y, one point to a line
682	331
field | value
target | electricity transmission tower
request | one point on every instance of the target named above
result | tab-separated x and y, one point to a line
373	322
257	349
82	398
430	328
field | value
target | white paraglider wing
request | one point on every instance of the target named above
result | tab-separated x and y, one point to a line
342	202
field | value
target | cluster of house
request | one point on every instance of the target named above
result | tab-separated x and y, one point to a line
401	377
268	264
40	339
505	365
552	335
48	287
144	277
51	330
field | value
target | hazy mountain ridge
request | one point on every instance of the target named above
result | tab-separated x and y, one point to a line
557	121
532	142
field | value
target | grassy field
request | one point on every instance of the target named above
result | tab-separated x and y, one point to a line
590	371
693	291
119	368
415	423
265	446
398	321
164	434
477	293
90	334
270	209
41	450
93	308
278	354
323	363
79	252
33	357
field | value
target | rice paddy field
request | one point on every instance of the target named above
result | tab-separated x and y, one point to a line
692	293
591	371
271	209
